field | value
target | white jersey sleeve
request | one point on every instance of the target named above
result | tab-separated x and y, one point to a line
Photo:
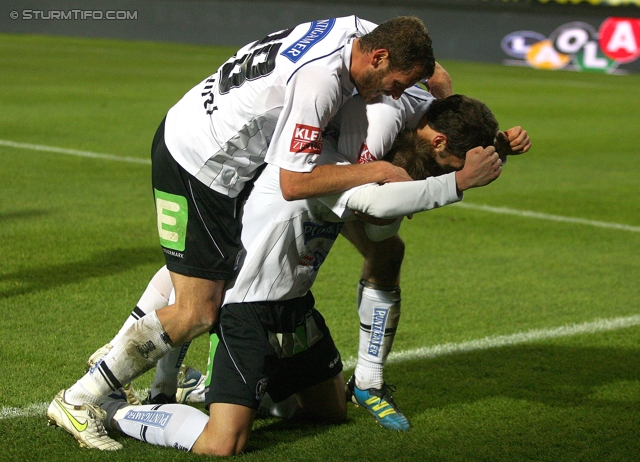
367	131
405	198
312	98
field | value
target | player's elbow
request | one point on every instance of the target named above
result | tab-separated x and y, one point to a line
290	192
292	185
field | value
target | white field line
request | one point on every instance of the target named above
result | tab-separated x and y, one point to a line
31	410
599	325
73	152
485	208
546	216
447	349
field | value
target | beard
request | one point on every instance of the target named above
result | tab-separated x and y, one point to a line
369	84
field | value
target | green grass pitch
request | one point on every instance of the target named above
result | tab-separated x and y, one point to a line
78	246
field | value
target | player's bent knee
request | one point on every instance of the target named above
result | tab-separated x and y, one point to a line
394	248
198	301
324	402
227	432
212	443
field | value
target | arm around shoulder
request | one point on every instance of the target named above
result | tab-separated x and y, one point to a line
330	179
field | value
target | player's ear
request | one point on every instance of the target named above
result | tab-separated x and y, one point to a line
379	56
439	141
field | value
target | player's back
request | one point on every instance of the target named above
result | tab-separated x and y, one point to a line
366	132
285	242
221	129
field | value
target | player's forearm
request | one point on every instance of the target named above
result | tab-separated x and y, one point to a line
330	179
440	84
400	199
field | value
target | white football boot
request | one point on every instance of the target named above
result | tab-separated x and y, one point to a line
83	422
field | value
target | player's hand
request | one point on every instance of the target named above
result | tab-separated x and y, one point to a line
512	142
482	166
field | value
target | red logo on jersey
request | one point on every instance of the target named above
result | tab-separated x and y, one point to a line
306	139
365	155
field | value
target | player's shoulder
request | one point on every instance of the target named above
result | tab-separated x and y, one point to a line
416	94
321	38
415	102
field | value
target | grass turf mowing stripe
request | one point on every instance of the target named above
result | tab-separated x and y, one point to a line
599	325
545	216
486	208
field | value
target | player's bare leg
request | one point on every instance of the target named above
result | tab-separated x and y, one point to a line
227	431
195	310
382	260
324	402
379	311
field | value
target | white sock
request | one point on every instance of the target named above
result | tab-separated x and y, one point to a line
379	310
166	378
169	425
155	296
137	351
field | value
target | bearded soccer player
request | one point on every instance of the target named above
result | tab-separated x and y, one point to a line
270	101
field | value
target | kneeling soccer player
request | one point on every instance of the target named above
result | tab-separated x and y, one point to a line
271	337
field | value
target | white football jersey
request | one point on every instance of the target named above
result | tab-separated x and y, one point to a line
270	101
373	127
286	242
362	132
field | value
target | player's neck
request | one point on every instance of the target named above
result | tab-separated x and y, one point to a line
358	62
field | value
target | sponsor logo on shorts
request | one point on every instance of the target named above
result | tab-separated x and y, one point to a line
173	253
172	213
261	388
317	31
377	330
316	231
158	419
306	139
333	363
365	155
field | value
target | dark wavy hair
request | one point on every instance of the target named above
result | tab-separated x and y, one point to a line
407	41
465	121
413	154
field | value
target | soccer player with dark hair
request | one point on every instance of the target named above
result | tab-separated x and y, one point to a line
443	131
269	102
272	339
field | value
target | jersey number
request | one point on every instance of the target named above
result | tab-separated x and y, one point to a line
259	62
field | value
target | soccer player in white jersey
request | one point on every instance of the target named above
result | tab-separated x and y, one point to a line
271	337
270	101
447	124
